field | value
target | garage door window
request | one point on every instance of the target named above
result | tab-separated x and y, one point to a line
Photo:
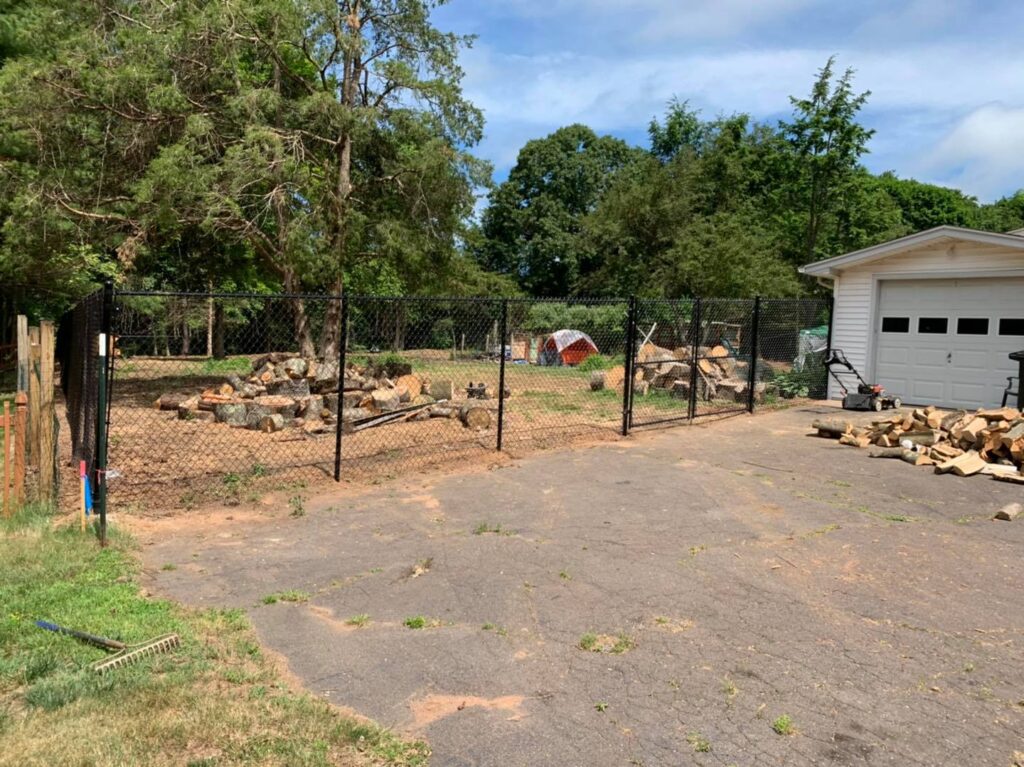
895	324
932	325
972	326
1011	327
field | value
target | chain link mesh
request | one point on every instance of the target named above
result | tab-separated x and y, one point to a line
76	351
226	396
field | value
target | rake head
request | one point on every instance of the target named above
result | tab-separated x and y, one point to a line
130	655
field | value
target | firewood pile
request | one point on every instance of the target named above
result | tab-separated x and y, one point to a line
987	442
286	391
719	376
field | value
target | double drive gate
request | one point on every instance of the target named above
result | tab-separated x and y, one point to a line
243	392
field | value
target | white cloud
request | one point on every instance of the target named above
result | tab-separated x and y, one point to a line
983	153
917	92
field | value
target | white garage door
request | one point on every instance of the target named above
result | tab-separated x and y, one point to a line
945	342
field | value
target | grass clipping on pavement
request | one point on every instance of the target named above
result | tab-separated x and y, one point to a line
216	700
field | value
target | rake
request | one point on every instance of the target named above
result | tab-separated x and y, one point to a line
124	655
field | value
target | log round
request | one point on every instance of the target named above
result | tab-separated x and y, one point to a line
474	417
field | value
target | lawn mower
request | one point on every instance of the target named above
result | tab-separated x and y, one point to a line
868	396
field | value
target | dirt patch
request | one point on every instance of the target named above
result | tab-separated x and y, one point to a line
430	709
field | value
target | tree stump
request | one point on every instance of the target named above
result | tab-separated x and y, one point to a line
271	423
475	417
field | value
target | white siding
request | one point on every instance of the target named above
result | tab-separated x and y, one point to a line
854	291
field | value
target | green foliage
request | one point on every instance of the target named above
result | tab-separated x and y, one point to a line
600	362
604	323
531	222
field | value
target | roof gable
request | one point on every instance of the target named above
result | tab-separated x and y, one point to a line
830	266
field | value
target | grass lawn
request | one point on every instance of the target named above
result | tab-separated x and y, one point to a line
216	700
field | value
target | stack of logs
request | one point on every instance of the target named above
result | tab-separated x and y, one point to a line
983	442
720	376
285	390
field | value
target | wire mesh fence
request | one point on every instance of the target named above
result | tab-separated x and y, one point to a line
214	395
224	396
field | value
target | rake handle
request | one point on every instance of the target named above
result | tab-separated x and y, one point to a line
98	641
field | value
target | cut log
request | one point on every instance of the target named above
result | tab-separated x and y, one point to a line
1009	512
442	389
854	441
925	437
963	466
832	429
475	417
886	452
268	424
231	413
999	414
915	458
597	380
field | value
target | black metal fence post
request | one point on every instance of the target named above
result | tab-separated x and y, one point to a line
501	372
752	374
628	364
104	346
342	343
694	361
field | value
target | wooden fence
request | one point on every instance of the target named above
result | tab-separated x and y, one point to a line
30	428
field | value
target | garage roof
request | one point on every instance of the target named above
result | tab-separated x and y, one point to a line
831	266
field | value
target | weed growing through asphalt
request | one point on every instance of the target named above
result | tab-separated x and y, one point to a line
421	622
169	566
499	630
485	527
286	596
298	508
695	550
699	743
783	725
729	688
359	621
601	706
564	575
616	645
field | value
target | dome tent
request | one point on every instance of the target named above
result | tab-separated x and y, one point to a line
566	347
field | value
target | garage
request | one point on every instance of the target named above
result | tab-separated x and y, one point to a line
932	316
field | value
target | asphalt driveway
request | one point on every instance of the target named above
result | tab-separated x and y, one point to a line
749	595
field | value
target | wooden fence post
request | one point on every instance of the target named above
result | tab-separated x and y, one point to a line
22	383
34	386
7	458
20	424
47	462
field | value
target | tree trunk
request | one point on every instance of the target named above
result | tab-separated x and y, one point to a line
300	319
185	340
330	345
209	321
218	331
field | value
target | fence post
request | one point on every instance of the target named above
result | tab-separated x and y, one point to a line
34	386
628	364
20	423
501	371
100	469
752	375
694	362
47	462
23	347
7	458
342	343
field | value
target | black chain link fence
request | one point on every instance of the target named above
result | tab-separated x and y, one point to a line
77	353
227	396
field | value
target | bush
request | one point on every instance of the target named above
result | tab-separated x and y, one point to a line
600	362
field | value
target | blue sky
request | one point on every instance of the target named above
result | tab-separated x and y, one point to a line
946	76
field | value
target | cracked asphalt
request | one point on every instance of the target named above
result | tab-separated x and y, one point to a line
749	572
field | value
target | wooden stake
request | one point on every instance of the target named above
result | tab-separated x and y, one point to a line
20	423
47	459
23	354
81	491
7	458
33	396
